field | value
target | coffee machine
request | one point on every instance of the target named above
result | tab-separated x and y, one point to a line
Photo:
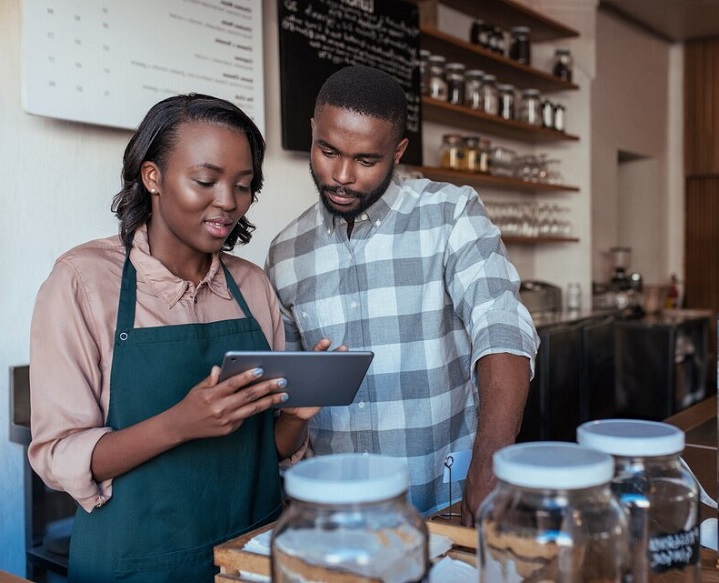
621	257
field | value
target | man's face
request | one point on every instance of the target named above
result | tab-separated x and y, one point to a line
352	159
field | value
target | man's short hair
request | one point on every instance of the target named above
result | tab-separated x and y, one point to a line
367	91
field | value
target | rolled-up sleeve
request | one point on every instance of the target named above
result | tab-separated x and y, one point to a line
67	410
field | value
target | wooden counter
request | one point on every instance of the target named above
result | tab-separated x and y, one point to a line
8	578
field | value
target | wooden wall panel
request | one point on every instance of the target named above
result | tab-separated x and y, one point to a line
701	249
701	107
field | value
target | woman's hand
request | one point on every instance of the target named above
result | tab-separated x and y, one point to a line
306	413
213	408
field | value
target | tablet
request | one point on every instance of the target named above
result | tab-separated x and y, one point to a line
314	379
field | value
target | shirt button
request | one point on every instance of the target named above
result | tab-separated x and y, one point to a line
304	314
361	404
378	223
363	216
354	304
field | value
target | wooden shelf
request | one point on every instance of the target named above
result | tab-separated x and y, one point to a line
505	69
537	240
490	181
473	120
509	13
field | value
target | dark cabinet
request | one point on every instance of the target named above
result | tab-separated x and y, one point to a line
662	363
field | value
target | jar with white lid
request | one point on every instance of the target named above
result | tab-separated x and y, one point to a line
454	75
531	107
506	100
437	82
490	95
660	494
473	80
349	518
551	517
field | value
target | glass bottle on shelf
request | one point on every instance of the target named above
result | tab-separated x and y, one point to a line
563	63
559	121
454	75
547	114
530	109
506	100
437	82
472	158
452	152
490	97
519	48
473	80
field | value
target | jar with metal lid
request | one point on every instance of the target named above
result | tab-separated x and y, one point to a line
424	55
490	95
485	153
472	154
437	82
531	108
559	120
551	517
659	493
452	152
519	47
349	519
473	80
506	100
479	33
454	75
547	114
563	63
496	41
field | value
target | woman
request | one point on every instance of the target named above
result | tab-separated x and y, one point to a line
165	461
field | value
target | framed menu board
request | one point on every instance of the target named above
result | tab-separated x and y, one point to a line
319	37
107	63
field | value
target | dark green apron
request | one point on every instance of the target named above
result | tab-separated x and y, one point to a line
165	516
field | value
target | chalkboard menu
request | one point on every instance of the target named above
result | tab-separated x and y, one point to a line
319	37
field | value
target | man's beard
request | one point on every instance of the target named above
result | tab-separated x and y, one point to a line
366	199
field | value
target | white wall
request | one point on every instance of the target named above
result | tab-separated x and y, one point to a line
58	179
637	108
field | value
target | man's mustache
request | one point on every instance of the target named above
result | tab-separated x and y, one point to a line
343	191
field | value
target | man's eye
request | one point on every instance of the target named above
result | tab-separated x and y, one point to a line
367	163
329	153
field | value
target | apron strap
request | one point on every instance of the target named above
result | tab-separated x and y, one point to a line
236	291
128	297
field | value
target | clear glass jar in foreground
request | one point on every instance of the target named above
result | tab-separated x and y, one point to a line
349	519
551	517
659	493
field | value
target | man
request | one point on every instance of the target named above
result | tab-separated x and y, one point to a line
415	271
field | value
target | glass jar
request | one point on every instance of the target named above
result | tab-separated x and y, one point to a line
660	495
454	75
479	33
563	64
490	96
452	152
506	101
472	154
424	55
559	117
551	517
437	82
473	80
531	108
519	47
485	149
547	114
496	40
349	519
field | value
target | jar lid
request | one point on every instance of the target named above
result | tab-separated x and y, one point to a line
437	58
490	78
631	437
350	478
505	87
520	29
561	51
474	73
424	53
455	66
530	92
552	464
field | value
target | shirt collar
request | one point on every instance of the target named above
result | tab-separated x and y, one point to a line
163	282
375	214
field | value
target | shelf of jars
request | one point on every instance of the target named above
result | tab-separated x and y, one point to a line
472	119
505	69
543	240
490	181
508	13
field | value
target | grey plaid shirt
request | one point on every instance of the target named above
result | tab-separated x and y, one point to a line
425	283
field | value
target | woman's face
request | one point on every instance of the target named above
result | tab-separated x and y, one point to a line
202	190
